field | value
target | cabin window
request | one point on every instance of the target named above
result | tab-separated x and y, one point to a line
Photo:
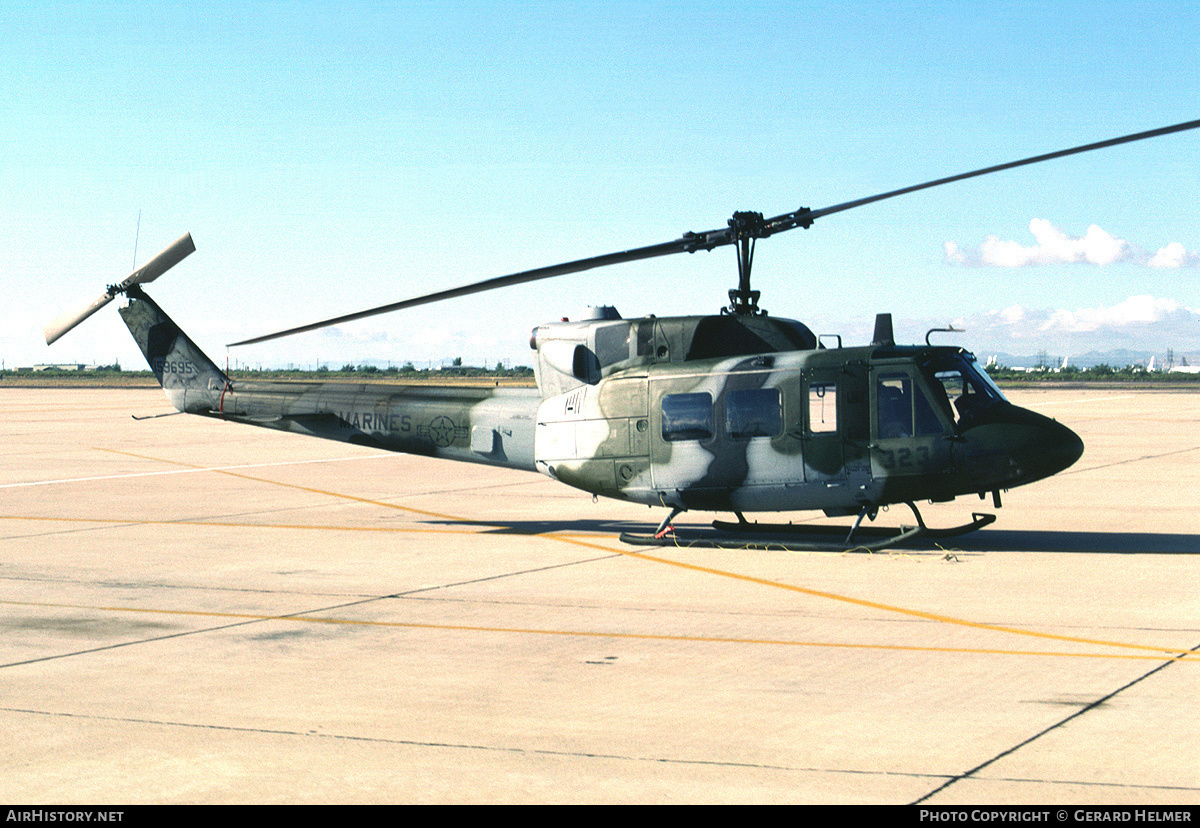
753	412
822	407
687	417
903	411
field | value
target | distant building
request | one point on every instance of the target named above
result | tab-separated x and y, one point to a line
65	366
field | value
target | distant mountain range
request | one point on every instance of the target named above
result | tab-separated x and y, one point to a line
1117	358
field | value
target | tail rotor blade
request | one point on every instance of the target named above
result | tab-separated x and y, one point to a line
179	250
69	320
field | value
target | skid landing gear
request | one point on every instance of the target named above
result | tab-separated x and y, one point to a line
801	537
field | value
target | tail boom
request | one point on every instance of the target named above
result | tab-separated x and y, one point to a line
480	425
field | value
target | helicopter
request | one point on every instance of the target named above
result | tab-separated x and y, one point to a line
736	412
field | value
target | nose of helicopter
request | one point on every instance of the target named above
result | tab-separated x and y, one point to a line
1050	448
1029	446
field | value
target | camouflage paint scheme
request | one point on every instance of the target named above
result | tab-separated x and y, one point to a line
713	413
493	426
610	438
740	411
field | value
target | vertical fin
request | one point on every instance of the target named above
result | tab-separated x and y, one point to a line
191	381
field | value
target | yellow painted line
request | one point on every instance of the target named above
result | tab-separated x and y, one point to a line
829	596
308	489
186	470
581	540
862	602
1185	657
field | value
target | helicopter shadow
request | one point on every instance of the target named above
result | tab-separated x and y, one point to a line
989	540
550	527
1077	542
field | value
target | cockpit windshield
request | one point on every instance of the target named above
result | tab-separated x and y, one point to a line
966	388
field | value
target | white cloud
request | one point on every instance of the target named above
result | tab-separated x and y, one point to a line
1174	255
1134	310
1012	315
1053	246
1143	322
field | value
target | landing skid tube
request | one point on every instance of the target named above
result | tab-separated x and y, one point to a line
801	537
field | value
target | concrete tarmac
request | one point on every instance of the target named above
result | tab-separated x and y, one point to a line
197	612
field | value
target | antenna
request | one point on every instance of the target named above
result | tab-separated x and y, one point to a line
136	234
950	329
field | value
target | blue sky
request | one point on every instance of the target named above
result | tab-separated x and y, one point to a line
329	157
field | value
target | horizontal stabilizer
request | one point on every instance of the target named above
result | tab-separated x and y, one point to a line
148	272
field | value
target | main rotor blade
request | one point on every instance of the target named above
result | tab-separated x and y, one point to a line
691	242
651	251
1111	142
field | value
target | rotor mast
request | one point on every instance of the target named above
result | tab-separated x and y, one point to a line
743	300
744	229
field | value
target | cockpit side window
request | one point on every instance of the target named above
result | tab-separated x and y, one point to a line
966	389
926	422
